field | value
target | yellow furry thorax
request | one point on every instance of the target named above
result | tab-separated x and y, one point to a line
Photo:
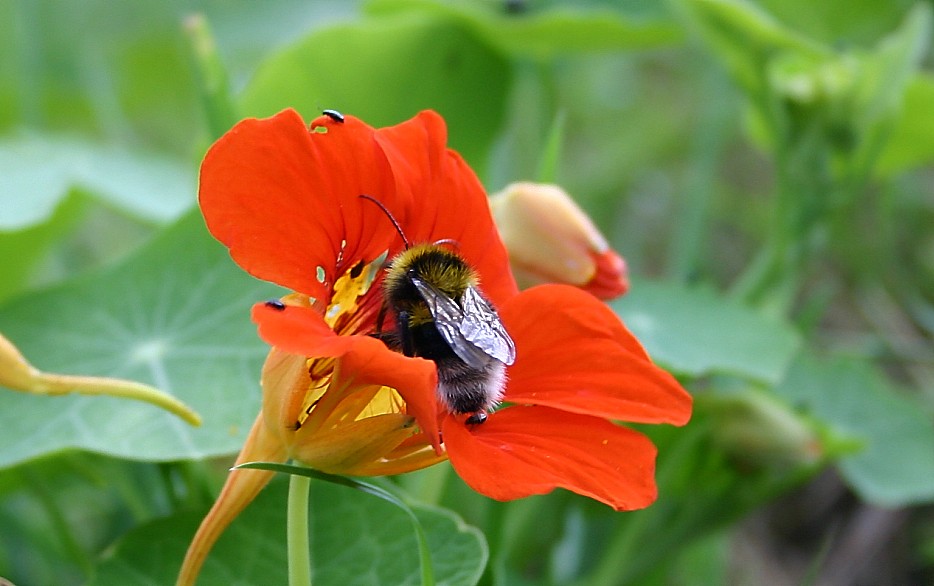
446	270
443	268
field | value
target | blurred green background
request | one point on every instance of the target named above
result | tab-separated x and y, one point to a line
765	169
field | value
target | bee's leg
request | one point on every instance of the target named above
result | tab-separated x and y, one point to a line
380	318
477	418
404	333
389	338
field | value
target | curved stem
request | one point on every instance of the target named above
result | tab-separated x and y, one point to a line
297	531
17	374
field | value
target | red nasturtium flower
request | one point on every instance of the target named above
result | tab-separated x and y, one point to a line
285	199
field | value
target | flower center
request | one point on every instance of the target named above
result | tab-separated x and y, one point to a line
350	312
345	311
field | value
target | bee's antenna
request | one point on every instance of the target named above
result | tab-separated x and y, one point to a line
450	242
390	216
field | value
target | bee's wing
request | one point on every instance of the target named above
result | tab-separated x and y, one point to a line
482	326
474	332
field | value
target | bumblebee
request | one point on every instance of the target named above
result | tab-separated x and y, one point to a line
440	314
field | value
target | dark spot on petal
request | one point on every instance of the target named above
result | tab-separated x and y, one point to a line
357	270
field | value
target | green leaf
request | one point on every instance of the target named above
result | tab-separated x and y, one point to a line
911	143
795	83
22	249
123	71
174	315
355	540
37	172
886	72
424	554
385	70
896	468
839	21
695	332
546	34
890	66
747	39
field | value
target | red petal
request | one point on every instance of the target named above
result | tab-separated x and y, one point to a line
299	330
364	360
285	199
574	353
445	200
521	451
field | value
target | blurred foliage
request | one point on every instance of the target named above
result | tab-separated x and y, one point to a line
374	545
765	168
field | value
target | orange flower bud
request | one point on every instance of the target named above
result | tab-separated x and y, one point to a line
15	372
551	240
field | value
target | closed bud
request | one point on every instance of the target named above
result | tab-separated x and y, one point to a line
761	431
551	240
15	372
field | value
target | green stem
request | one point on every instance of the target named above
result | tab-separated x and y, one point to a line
551	151
804	185
297	531
531	111
707	147
211	75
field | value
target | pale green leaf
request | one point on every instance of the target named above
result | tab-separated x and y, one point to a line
174	315
747	39
694	331
37	172
911	143
544	34
896	465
